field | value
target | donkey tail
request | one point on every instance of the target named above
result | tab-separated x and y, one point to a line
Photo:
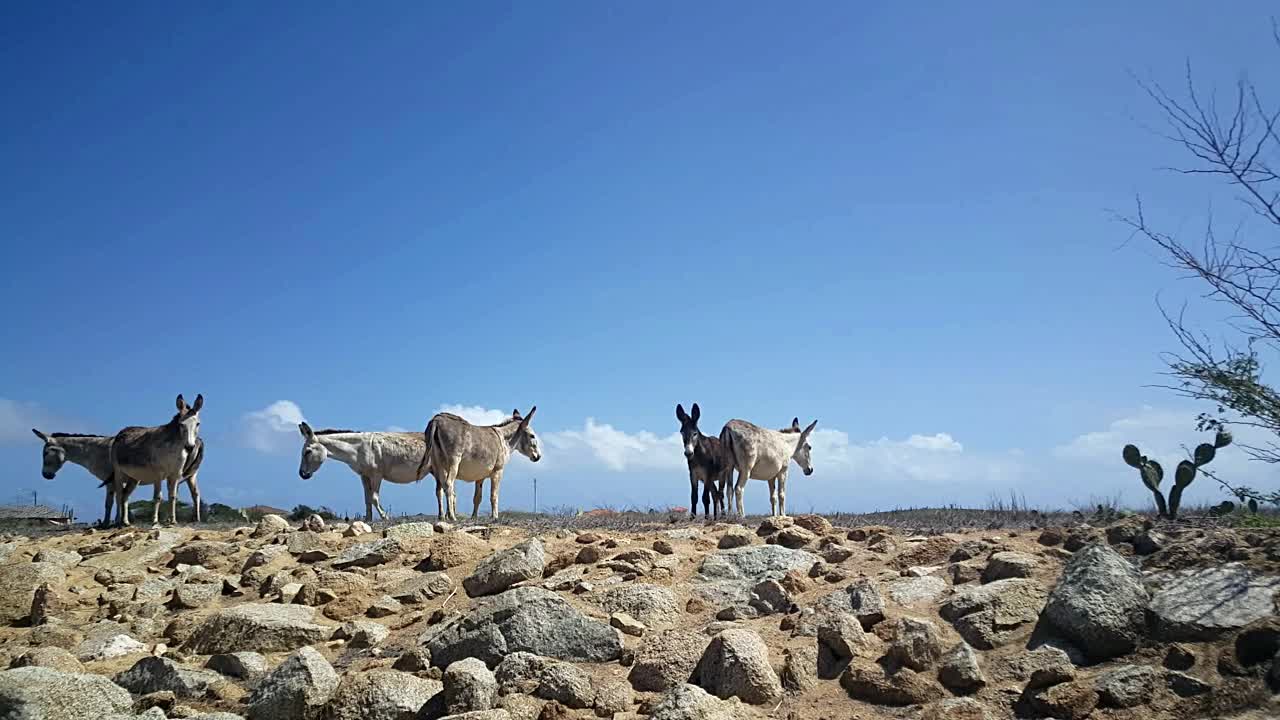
428	435
110	480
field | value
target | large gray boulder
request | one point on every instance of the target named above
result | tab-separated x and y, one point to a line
296	690
507	567
1206	603
992	615
38	693
18	585
1099	603
371	554
380	695
421	588
736	664
469	686
726	578
527	618
259	628
861	598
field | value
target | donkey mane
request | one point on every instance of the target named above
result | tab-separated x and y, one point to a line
73	435
508	421
332	431
789	430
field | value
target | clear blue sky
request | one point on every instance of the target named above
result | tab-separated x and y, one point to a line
892	219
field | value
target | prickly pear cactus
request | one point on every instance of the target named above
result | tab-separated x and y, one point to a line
1151	473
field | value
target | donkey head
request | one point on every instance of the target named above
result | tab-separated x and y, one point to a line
313	453
803	449
689	428
188	421
525	441
54	455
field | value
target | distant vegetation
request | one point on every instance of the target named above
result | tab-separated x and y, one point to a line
209	512
302	512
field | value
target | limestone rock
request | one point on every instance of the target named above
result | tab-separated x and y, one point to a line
41	693
736	664
260	628
1099	603
667	659
296	690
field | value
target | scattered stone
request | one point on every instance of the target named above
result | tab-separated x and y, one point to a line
627	624
916	644
261	628
840	639
526	618
421	588
469	686
1008	564
958	669
989	616
736	664
62	558
380	695
914	591
652	605
453	549
156	674
195	595
520	672
385	606
690	702
357	528
1128	685
1099	603
270	525
362	633
41	693
613	699
868	681
54	658
771	597
415	659
20	582
1068	701
370	554
1052	536
296	690
501	570
314	523
106	647
1186	686
242	665
956	709
799	669
666	659
1047	665
1204	604
795	537
567	685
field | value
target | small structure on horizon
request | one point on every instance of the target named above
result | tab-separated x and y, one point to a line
34	516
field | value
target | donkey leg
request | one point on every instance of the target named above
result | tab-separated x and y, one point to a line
479	495
773	497
368	498
195	496
782	493
693	493
155	503
707	485
740	489
173	500
495	480
440	499
375	495
111	496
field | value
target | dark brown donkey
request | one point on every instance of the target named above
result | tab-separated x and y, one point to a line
708	463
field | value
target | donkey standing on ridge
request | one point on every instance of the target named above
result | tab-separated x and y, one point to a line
164	453
458	450
93	453
762	454
708	464
374	456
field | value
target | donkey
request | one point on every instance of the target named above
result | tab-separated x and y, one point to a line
707	461
458	450
374	456
93	453
762	454
164	453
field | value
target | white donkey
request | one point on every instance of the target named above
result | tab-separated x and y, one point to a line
762	454
93	453
375	456
458	450
165	453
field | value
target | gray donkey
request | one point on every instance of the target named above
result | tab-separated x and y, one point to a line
374	456
762	454
708	463
93	453
458	450
164	453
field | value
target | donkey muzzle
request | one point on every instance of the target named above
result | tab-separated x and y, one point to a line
808	471
47	475
304	475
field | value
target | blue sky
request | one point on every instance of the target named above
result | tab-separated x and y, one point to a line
896	220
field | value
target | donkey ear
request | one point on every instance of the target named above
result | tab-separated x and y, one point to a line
529	417
697	412
40	435
516	414
681	415
306	430
199	403
795	423
182	404
804	435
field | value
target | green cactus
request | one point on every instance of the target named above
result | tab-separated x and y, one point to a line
1226	507
1151	472
1253	506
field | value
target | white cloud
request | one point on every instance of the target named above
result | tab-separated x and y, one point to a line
616	450
476	414
17	419
273	429
919	459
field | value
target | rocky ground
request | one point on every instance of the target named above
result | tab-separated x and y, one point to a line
787	619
